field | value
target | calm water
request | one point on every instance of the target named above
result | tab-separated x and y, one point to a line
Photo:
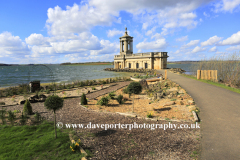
14	75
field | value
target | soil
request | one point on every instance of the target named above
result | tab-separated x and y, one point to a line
143	106
124	143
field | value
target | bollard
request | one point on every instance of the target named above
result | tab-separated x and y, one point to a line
165	74
198	74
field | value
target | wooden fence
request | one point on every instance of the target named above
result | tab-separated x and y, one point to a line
207	74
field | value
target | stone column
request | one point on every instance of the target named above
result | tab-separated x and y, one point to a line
120	46
142	65
125	46
131	46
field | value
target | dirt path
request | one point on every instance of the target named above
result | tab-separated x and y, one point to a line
107	90
220	116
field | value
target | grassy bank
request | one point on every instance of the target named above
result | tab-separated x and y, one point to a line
213	83
227	66
35	142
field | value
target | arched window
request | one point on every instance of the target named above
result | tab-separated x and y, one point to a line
137	65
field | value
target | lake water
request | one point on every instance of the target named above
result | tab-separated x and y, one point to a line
14	75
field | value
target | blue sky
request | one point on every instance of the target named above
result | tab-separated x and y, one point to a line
60	31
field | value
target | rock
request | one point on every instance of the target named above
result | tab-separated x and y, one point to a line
174	93
144	84
21	101
159	95
177	70
192	108
185	97
170	96
182	91
191	102
155	96
169	103
42	98
180	102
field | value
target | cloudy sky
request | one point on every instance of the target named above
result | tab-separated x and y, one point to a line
59	31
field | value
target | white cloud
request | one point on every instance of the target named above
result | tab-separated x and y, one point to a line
157	36
149	32
111	33
153	45
37	39
107	48
168	14
198	49
181	39
232	48
213	49
233	40
211	41
191	43
145	25
79	44
226	5
205	14
77	19
188	16
10	44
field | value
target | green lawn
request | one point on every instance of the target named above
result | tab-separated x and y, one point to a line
213	83
35	142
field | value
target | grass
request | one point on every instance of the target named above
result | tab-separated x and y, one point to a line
34	142
213	83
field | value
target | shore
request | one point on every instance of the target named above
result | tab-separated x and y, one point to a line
125	74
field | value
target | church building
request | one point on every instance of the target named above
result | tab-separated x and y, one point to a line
149	60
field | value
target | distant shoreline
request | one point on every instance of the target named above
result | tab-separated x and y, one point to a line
89	63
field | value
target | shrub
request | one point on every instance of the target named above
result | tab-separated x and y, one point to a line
11	116
125	90
87	82
48	91
90	83
81	84
83	99
93	88
134	87
27	108
111	95
54	103
150	115
120	99
37	117
103	101
23	119
104	82
2	115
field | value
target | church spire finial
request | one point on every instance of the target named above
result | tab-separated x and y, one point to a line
126	31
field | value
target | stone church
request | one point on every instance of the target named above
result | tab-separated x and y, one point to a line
149	60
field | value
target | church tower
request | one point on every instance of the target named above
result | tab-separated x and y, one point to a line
126	44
